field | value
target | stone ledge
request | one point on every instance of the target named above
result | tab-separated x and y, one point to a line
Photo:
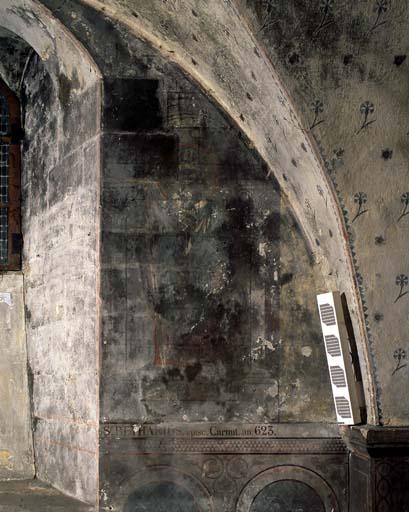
376	441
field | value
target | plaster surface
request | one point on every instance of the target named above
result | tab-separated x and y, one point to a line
16	447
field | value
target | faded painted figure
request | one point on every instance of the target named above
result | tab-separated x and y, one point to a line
203	268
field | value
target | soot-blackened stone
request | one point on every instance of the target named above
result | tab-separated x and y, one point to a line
286	278
294	58
399	59
348	59
192	371
132	105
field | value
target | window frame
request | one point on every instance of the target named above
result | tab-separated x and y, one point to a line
12	139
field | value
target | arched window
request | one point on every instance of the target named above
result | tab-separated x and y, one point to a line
10	214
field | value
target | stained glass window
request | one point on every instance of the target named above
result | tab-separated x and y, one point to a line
4	173
4	115
10	237
3	236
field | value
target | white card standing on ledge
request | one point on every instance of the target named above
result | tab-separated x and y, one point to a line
343	383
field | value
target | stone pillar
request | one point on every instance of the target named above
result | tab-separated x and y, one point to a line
379	468
16	450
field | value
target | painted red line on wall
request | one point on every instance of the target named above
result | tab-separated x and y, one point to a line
80	422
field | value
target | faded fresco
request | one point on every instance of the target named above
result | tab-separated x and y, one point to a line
208	288
194	270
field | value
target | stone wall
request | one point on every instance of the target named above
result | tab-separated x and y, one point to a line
193	265
209	319
208	286
16	450
190	225
213	44
60	187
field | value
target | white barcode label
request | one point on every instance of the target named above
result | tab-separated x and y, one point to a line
327	314
339	362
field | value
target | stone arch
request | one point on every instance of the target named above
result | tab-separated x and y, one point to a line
138	487
235	72
61	168
288	473
56	46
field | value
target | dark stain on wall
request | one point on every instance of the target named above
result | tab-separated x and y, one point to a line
132	105
399	59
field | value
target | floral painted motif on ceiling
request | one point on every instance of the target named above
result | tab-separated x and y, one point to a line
344	64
